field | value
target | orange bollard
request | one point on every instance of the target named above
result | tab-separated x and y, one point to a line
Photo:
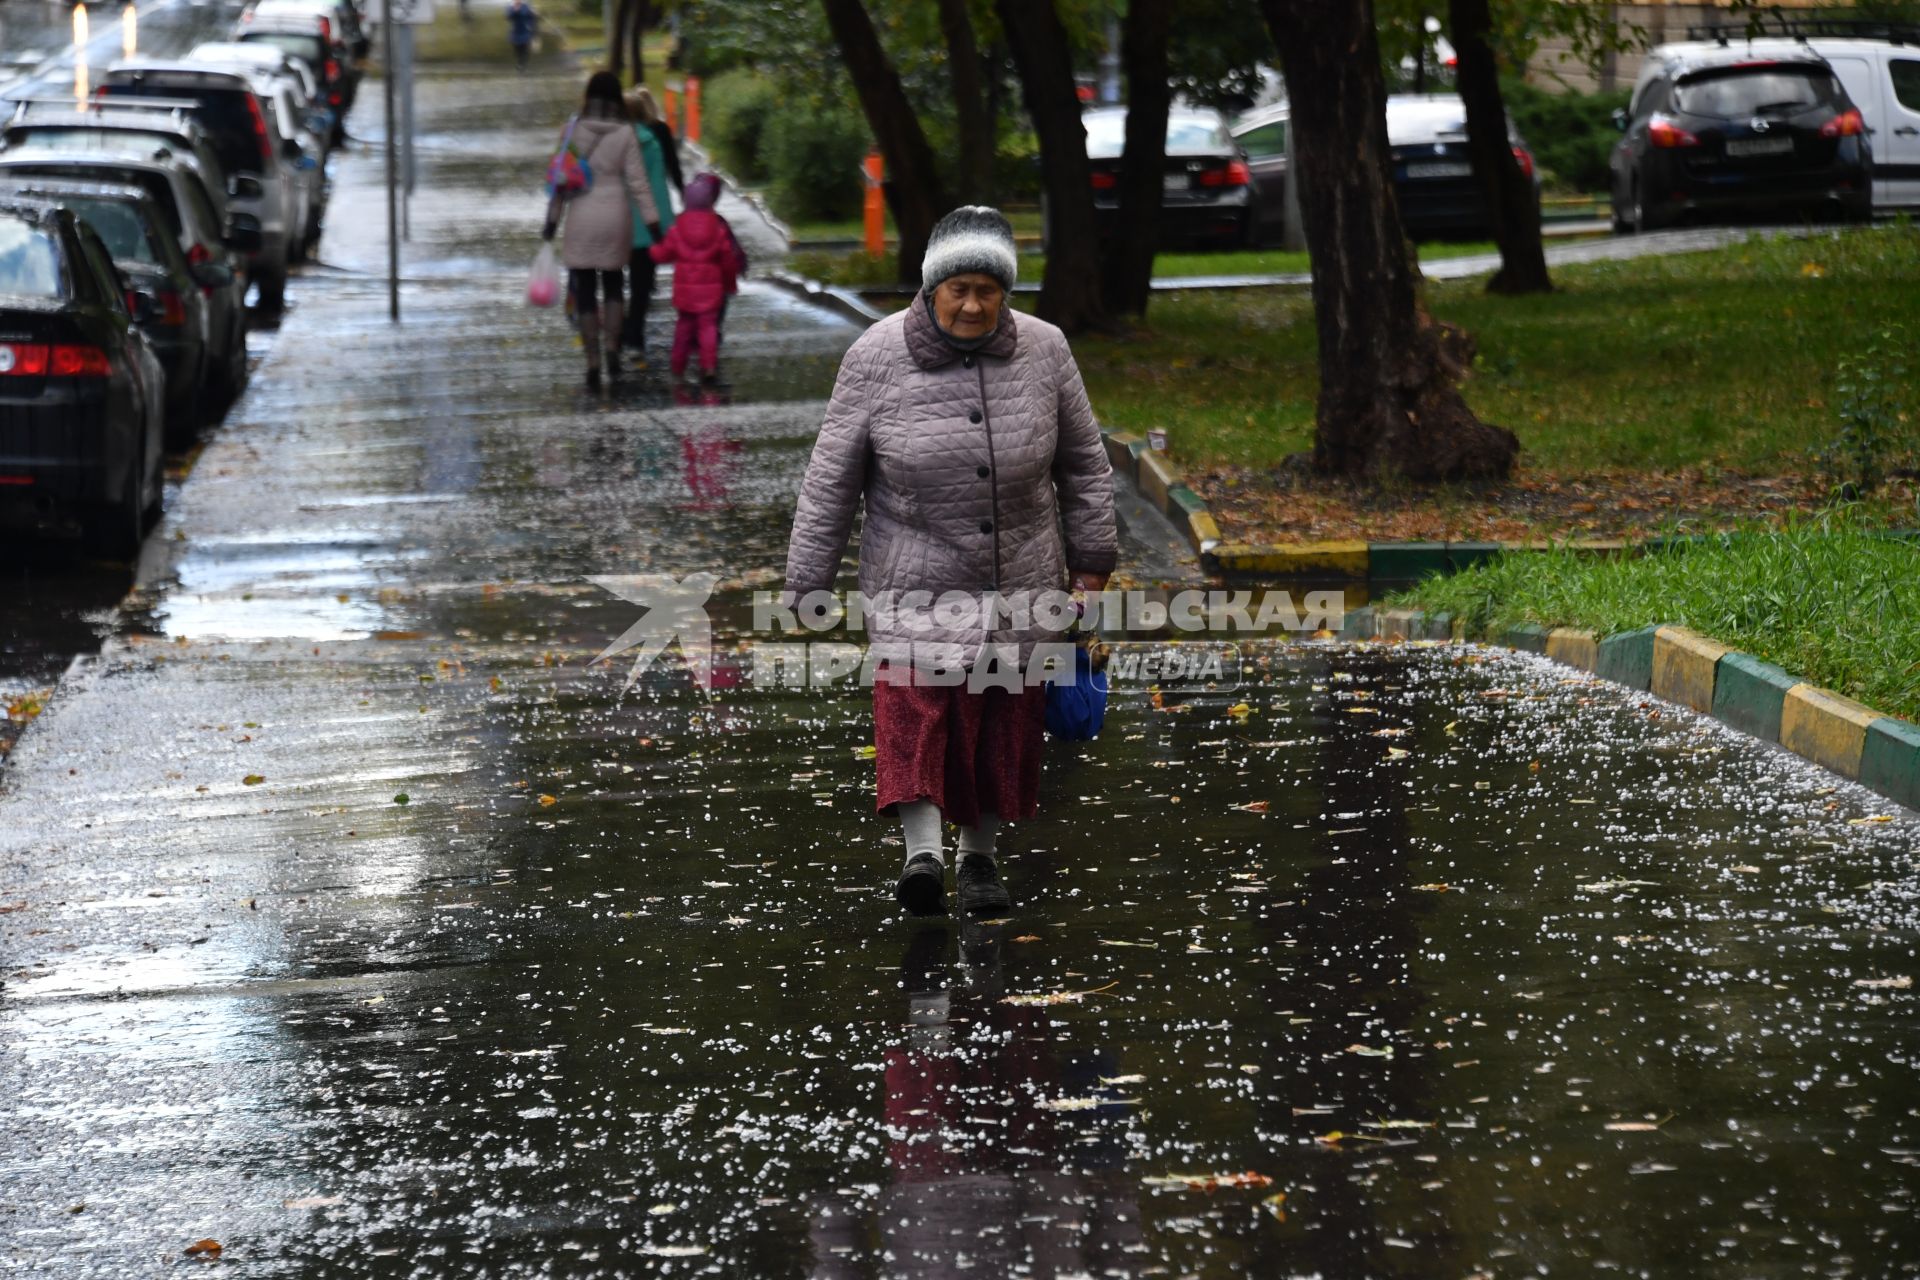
672	110
875	209
693	108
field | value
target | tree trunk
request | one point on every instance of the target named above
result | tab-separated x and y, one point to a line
1129	275
969	103
1511	203
1389	401
1071	290
616	59
914	193
637	34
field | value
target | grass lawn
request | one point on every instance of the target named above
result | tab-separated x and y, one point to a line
1725	358
1826	599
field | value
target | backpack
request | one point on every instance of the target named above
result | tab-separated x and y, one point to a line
568	174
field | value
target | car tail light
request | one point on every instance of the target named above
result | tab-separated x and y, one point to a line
1103	180
172	310
198	254
1662	132
332	70
326	30
1526	160
260	132
23	359
1234	174
78	362
1847	124
333	99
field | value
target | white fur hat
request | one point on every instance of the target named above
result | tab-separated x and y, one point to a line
974	237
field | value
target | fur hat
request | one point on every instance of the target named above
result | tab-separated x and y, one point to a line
703	192
974	237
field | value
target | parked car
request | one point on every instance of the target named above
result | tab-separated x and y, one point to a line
336	25
1205	186
257	161
307	100
1879	66
81	392
1711	131
212	242
304	40
293	119
1430	167
178	315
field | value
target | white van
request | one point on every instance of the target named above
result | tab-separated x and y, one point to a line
1882	76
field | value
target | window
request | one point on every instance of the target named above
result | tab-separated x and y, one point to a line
29	261
205	222
1906	82
107	277
1267	140
120	225
1739	92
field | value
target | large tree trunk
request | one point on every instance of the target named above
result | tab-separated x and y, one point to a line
1389	401
969	103
914	193
1071	290
1507	188
1143	51
616	55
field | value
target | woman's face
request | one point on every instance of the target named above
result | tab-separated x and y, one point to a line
968	306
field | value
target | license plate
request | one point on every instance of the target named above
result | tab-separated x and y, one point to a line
1759	146
1439	169
1175	182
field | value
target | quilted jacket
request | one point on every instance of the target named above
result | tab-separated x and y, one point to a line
705	261
978	471
599	221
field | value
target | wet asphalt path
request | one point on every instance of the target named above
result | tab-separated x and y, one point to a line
351	918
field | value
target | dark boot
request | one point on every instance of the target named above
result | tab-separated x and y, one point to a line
922	887
981	892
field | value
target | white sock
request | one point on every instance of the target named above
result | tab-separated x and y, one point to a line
978	841
920	824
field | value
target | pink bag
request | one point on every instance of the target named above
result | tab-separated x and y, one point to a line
543	286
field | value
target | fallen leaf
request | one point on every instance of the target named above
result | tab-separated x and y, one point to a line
252	780
1085	1104
1861	822
1399	1124
547	801
1253	806
403	798
867	752
1119	1080
1900	983
1028	937
1434	888
1453	728
1369	1051
1210	1182
1239	711
1398	753
208	1248
1058	997
1608	886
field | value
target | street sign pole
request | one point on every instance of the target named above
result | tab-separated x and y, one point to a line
393	203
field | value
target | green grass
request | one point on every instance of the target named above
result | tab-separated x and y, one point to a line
1826	598
1724	358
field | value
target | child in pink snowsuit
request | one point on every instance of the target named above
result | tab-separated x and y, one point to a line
701	247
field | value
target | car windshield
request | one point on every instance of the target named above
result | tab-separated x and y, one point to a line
223	113
1107	135
1746	91
120	225
306	47
29	259
118	141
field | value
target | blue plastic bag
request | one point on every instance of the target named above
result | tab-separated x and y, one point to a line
1077	706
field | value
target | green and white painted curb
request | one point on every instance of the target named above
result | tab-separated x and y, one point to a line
1879	751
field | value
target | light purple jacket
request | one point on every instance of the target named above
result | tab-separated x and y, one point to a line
978	471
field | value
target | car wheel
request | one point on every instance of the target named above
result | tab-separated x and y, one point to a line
1636	210
184	426
273	290
116	530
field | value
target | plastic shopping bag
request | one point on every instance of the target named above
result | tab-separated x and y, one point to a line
543	286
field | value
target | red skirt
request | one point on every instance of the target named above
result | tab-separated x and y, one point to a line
969	753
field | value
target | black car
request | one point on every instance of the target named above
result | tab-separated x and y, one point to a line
81	392
1713	131
211	242
177	294
1206	189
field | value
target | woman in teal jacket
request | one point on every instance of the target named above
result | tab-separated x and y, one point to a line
654	157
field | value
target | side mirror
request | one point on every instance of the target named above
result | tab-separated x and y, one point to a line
242	186
243	234
142	306
1620	119
290	148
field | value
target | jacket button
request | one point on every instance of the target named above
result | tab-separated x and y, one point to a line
984	473
966	362
986	526
974	416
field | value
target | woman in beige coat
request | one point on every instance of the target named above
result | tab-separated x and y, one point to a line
965	435
599	220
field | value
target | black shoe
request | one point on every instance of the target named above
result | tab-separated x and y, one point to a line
593	379
922	887
978	882
613	363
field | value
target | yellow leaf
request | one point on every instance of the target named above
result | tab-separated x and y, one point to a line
546	801
865	753
252	780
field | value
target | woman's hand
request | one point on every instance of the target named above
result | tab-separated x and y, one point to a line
1091	583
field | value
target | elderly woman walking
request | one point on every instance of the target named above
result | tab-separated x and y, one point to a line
599	221
967	435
